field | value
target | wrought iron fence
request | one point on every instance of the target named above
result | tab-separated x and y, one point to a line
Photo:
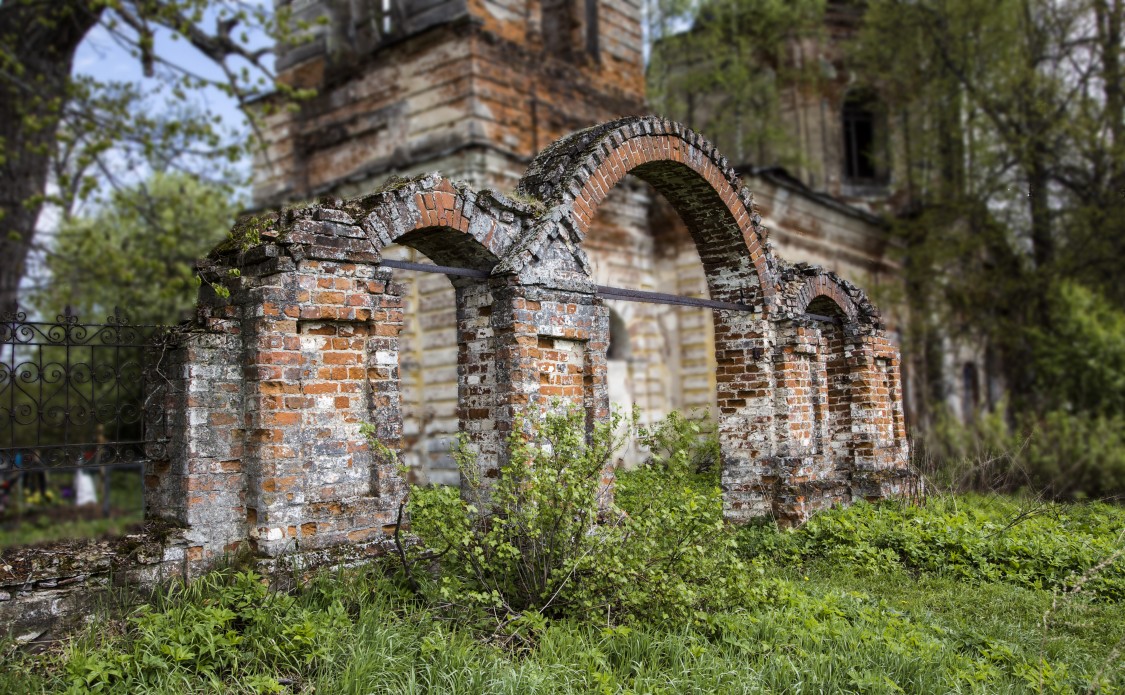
72	394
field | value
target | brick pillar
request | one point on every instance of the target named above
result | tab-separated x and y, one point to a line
879	431
744	376
266	399
478	418
321	359
550	348
195	479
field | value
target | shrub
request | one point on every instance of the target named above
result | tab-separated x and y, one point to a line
1059	455
1036	545
202	633
514	544
678	444
528	544
1079	356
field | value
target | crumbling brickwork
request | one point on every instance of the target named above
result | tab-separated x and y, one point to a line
474	89
274	381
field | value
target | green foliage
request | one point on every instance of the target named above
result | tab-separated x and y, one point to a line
963	594
87	134
725	74
1080	359
1036	545
680	445
1058	455
527	544
517	543
822	618
1008	115
198	636
138	251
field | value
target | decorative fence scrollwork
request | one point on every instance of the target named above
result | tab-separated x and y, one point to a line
72	394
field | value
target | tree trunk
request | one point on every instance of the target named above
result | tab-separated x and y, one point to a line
37	45
1109	18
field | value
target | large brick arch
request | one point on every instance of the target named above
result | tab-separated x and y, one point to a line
576	173
275	378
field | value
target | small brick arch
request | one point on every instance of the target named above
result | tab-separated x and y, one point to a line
830	288
576	174
438	217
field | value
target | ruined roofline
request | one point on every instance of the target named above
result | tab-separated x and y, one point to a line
781	177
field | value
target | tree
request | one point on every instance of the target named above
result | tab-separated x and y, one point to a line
726	73
138	251
1010	117
41	99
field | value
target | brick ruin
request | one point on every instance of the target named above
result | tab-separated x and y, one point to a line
267	390
475	89
270	387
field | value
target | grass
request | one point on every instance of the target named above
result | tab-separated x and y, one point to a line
967	594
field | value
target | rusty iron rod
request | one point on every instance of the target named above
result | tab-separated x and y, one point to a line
620	293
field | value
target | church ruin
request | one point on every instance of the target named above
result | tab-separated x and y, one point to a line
272	385
551	191
475	90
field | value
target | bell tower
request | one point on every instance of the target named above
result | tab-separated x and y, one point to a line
473	88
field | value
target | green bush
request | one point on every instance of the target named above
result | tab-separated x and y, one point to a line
527	544
679	444
519	542
204	632
1063	434
970	594
963	594
1059	455
1079	356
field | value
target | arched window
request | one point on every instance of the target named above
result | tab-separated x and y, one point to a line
864	140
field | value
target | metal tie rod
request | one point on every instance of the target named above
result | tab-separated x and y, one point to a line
605	291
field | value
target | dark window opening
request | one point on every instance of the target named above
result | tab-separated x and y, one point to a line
592	46
570	27
863	141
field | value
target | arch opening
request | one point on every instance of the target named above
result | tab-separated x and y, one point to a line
444	349
719	241
661	358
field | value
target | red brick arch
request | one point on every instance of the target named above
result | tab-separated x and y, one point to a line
438	218
828	286
576	174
